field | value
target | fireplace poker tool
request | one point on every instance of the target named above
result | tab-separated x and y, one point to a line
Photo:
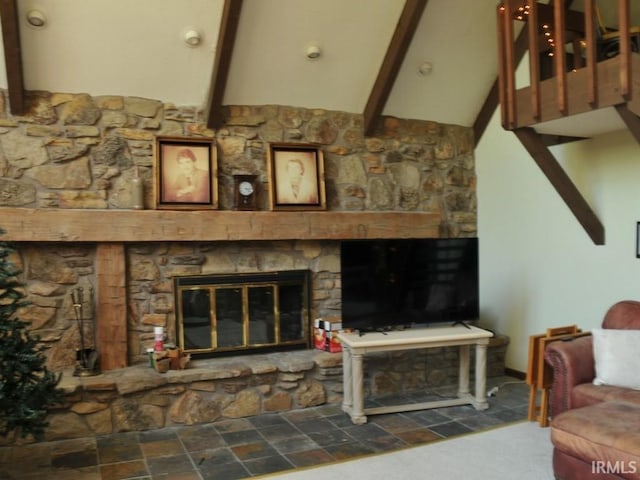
87	360
76	298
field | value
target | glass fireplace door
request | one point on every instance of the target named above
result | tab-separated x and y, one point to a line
228	321
195	305
252	315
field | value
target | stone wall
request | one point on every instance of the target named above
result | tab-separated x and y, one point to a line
74	151
77	151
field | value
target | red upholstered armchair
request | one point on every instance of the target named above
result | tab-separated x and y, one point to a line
574	370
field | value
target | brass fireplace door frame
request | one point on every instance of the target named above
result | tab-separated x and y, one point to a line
247	307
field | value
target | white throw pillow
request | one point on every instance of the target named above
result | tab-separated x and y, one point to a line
617	357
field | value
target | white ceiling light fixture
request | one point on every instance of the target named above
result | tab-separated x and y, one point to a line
36	18
313	51
192	36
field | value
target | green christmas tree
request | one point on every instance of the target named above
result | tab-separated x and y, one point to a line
27	388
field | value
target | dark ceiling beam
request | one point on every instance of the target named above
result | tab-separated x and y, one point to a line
405	29
554	172
550	139
224	52
493	98
573	20
12	55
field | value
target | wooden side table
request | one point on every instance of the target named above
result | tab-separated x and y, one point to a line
355	346
540	374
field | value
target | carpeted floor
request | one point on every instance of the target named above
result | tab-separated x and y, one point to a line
520	451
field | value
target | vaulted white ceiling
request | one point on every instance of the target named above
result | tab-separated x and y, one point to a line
138	48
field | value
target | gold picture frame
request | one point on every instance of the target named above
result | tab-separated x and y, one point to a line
186	174
296	177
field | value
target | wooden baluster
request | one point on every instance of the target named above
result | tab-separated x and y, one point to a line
560	60
502	66
534	58
510	69
624	25
590	26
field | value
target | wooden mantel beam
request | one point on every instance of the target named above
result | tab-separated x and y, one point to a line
554	172
60	225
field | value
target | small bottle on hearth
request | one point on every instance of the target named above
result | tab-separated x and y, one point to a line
158	333
137	191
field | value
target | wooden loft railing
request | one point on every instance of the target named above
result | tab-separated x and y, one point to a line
542	110
590	84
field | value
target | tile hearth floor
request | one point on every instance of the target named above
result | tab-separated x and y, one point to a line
248	447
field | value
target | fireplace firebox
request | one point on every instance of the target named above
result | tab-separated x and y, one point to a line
222	313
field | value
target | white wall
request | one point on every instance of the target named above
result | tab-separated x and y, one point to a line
538	266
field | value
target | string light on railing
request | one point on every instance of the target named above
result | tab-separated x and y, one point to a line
522	12
550	40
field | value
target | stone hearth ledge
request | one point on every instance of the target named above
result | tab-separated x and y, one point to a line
137	398
141	377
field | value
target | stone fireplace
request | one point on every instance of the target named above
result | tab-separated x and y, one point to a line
65	200
237	313
129	260
65	196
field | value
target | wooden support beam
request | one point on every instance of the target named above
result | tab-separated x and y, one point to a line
486	112
554	172
405	29
224	52
630	119
573	19
111	311
12	55
549	139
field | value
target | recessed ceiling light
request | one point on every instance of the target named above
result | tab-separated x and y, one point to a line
425	68
313	51
36	18
192	37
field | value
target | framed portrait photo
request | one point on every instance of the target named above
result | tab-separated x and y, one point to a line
186	174
296	177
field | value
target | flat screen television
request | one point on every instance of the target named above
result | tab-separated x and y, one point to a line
400	283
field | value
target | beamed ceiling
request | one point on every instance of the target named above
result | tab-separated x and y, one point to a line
254	52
